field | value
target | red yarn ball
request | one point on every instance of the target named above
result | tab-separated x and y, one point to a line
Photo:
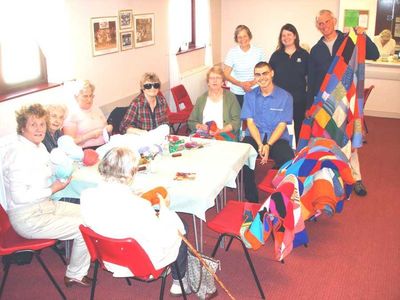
90	157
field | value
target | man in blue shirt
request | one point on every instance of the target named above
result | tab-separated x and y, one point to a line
267	110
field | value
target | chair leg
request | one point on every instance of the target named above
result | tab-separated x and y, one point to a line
246	252
180	280
37	255
96	268
229	244
162	288
128	281
6	268
214	252
58	252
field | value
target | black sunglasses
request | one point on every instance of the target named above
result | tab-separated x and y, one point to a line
148	86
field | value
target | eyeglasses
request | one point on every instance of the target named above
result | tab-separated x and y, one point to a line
261	74
148	86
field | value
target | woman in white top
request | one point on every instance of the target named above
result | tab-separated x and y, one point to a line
218	105
240	62
113	210
386	45
86	122
29	185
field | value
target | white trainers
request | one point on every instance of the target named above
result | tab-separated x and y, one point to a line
176	288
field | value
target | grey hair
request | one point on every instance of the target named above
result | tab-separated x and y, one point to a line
324	11
118	165
60	107
81	85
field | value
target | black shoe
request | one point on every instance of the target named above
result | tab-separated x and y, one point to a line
359	188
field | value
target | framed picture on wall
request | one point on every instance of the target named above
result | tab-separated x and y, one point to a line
105	37
143	27
126	39
125	19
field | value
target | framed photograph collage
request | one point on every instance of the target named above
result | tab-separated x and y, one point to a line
125	32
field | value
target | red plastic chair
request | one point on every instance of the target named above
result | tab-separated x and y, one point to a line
18	250
182	100
176	118
228	223
266	184
126	253
367	92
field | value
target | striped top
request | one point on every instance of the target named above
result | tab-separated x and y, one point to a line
242	64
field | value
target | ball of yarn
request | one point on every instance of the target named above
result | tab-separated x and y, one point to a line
67	144
57	156
63	171
90	157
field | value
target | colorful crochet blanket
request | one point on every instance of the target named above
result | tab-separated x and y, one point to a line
317	180
337	111
212	126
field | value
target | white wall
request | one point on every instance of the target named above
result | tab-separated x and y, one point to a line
116	76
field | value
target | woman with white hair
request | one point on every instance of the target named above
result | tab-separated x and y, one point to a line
113	210
385	43
56	114
87	122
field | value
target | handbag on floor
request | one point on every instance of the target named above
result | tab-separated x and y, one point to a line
200	280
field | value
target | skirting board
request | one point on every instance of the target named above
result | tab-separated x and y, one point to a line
382	114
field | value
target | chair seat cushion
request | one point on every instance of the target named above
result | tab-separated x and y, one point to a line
266	184
230	218
11	242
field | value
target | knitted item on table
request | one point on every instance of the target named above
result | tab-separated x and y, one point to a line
337	111
152	195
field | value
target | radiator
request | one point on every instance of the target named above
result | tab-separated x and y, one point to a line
195	82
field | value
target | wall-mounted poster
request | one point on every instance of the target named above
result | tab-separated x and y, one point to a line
104	35
144	30
354	18
125	19
126	40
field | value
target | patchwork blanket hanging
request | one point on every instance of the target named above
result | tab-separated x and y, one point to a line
316	181
337	110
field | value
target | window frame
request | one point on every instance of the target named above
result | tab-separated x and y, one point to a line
11	91
192	43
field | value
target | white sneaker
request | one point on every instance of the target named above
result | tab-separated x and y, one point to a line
176	287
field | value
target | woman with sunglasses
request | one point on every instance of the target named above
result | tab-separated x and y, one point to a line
148	110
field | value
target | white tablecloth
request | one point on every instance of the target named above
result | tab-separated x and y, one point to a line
216	165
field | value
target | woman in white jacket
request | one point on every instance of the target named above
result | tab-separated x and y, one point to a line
113	210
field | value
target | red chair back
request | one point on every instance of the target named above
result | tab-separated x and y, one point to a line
182	99
367	92
4	221
123	252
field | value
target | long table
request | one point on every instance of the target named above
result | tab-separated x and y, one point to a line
216	165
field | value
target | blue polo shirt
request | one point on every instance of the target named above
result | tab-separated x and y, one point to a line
268	111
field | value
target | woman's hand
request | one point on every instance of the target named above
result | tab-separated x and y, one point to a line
164	201
203	127
215	132
109	128
59	185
